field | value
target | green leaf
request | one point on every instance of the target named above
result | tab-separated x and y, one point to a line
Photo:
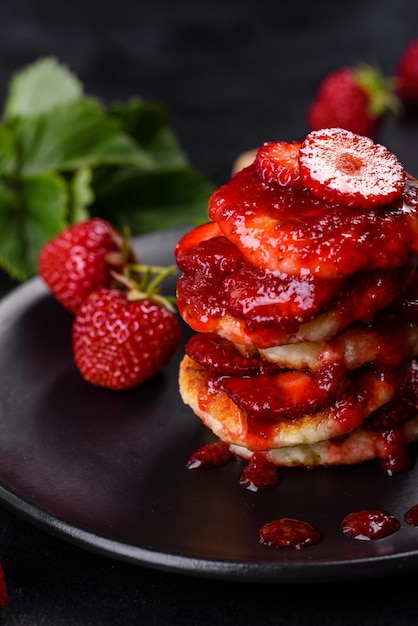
150	201
77	134
8	151
147	123
64	157
40	87
29	217
82	195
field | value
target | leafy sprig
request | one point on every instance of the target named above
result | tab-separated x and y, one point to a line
65	156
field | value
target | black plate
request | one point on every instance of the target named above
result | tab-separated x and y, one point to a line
107	470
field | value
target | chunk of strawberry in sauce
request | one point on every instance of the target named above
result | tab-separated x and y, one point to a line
217	280
256	294
285	395
212	257
292	231
219	355
195	236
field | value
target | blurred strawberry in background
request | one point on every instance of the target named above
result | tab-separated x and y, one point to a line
354	98
406	75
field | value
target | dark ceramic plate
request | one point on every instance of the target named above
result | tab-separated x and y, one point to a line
107	470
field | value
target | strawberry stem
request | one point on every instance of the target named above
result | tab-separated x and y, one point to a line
380	90
137	279
161	274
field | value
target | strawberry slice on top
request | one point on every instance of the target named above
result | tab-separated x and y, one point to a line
341	167
277	162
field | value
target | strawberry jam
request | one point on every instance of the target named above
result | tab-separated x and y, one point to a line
290	230
369	524
286	394
211	455
268	306
411	516
287	532
259	474
303	292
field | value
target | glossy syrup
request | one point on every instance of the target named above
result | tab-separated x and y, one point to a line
411	516
211	455
274	259
367	524
259	474
286	532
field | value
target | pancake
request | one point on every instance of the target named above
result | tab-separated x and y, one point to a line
203	305
303	292
358	447
233	425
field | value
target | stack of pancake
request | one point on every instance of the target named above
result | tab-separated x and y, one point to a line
305	312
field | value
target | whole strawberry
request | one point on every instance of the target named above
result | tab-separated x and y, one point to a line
122	338
354	98
4	594
80	259
406	75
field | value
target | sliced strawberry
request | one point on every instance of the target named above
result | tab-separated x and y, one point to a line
197	235
277	162
212	257
287	394
220	355
341	167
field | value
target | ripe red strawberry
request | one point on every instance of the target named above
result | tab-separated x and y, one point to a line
278	162
354	98
342	167
3	589
79	260
406	74
123	338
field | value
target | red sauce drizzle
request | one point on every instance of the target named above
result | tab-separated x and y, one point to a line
210	455
369	524
259	474
373	238
411	516
358	275
398	460
287	532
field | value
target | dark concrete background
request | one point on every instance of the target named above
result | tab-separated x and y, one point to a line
231	74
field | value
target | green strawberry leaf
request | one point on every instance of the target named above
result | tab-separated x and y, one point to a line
81	195
149	201
64	156
8	151
147	123
77	134
40	87
43	200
